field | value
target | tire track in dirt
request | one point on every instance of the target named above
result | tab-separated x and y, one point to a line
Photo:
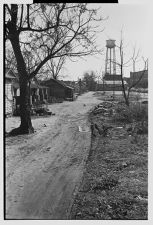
44	181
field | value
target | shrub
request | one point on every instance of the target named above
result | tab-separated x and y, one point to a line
136	112
139	111
122	114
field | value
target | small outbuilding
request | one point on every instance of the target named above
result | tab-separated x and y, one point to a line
58	89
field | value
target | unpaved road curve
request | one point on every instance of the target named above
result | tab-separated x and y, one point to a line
43	170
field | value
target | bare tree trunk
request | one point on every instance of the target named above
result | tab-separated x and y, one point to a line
124	93
26	125
123	87
25	114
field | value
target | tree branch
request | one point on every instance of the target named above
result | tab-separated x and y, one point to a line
9	10
21	16
28	18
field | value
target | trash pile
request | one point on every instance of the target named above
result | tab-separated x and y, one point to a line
53	99
41	110
104	108
134	117
137	128
100	129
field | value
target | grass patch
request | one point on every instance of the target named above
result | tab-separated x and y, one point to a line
135	112
115	182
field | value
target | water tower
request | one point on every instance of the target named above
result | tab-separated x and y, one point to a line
110	63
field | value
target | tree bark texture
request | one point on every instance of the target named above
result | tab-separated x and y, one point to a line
26	125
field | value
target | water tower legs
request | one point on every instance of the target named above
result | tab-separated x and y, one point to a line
110	63
114	61
106	61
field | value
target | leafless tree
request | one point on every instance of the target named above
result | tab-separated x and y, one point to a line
49	30
135	57
10	61
55	66
89	79
135	82
122	63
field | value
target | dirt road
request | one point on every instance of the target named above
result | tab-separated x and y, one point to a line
43	170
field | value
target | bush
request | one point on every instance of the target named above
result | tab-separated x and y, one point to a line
136	112
139	112
122	114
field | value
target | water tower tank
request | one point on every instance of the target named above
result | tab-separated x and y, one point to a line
110	43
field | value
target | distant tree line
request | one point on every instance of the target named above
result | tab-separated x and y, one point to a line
89	79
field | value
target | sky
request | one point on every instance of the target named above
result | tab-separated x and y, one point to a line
133	20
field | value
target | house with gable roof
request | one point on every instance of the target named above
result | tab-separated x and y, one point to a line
58	89
12	92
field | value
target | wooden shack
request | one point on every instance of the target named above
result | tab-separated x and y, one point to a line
58	89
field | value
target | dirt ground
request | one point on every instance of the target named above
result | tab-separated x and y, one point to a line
43	170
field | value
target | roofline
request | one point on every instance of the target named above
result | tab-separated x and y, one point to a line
59	82
139	71
69	87
15	77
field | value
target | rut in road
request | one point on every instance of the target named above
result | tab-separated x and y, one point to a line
41	183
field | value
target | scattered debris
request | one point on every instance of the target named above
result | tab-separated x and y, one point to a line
138	128
122	165
84	128
102	130
141	199
101	195
100	110
53	99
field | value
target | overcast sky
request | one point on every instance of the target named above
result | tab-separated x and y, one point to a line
133	18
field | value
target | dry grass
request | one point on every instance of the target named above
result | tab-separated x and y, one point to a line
115	183
134	113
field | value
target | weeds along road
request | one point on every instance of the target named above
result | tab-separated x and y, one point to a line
43	170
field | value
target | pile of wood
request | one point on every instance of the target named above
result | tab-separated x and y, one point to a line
104	108
40	110
100	129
